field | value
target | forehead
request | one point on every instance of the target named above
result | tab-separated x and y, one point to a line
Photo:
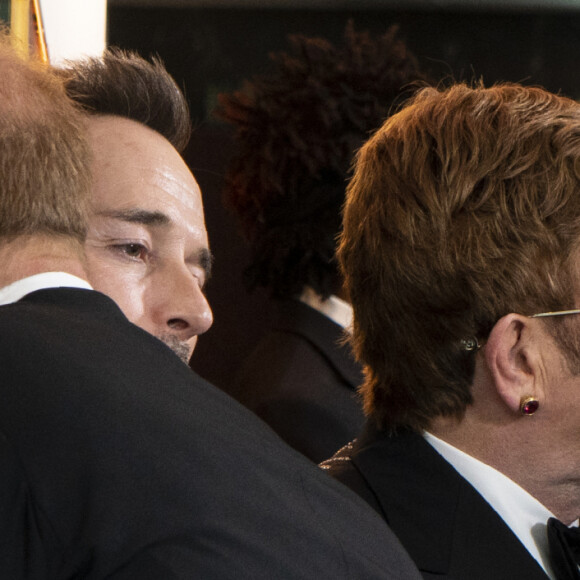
136	168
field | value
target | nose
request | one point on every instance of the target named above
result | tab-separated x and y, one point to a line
194	320
183	309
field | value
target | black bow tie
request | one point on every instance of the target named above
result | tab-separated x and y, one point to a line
564	545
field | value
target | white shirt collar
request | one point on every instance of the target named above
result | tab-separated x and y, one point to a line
521	512
335	308
17	290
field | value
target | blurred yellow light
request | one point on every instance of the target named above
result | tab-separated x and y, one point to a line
20	25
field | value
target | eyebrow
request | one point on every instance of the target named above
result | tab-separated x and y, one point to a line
204	258
139	216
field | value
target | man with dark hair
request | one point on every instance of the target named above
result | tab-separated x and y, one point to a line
147	245
296	130
116	461
460	253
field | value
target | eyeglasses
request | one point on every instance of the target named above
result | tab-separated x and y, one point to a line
556	313
473	344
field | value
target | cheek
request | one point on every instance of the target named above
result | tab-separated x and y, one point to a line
129	298
124	286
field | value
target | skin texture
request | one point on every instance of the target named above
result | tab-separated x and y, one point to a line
147	245
540	452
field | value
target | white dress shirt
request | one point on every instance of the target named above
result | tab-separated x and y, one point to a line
522	513
17	290
335	308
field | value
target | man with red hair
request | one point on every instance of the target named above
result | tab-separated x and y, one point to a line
461	256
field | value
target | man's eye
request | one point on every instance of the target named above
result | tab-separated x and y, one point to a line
134	251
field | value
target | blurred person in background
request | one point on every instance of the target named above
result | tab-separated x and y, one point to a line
296	130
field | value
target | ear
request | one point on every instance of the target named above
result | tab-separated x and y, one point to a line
513	360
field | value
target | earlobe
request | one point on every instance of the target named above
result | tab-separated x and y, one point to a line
511	358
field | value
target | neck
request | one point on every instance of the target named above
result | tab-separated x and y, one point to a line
29	255
518	448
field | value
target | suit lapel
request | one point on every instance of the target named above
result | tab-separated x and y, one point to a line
445	525
323	334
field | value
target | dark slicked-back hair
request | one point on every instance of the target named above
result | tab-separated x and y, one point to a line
125	84
464	207
296	131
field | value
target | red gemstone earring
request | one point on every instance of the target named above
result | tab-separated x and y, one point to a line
529	405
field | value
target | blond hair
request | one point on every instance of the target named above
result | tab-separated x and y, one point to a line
44	156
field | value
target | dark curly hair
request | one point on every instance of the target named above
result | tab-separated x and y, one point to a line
296	130
123	83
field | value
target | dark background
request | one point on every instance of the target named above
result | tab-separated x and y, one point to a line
212	50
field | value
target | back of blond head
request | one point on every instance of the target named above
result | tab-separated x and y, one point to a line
44	155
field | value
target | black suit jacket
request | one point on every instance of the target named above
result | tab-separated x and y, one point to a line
447	527
302	381
117	462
